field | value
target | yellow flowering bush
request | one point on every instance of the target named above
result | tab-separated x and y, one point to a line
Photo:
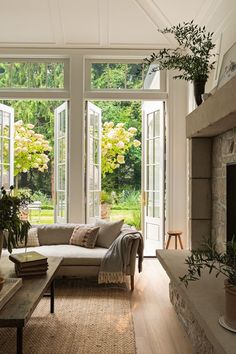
29	149
116	141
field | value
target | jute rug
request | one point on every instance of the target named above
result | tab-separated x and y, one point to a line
87	320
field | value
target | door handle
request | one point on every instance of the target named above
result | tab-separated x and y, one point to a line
144	198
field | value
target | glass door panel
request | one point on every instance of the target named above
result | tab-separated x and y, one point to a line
94	117
6	146
60	160
153	173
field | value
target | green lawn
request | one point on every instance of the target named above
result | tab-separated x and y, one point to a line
46	216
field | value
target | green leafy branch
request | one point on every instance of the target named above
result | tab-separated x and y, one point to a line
210	258
193	55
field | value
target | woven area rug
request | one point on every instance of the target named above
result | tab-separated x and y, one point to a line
88	319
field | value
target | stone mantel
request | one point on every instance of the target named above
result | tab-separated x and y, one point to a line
214	116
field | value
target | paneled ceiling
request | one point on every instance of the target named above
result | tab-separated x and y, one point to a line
96	23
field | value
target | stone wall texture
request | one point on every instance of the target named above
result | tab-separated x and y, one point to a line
196	334
223	152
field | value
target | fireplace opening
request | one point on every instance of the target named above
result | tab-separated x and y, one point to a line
231	201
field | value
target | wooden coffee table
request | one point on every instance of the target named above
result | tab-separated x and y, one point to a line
20	307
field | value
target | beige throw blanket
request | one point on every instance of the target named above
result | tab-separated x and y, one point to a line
117	259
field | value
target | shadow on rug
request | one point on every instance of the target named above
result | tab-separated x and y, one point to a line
88	319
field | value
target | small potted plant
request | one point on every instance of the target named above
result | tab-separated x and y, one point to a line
192	57
221	263
10	220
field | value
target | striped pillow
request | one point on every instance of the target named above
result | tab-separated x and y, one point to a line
84	236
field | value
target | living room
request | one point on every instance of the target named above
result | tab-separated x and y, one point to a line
191	161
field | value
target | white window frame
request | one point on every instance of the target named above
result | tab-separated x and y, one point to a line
44	93
88	67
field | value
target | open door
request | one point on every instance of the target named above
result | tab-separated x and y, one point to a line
6	146
60	161
93	166
153	176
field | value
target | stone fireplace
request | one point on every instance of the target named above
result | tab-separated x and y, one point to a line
211	129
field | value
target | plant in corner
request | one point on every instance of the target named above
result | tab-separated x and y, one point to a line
220	263
192	57
10	221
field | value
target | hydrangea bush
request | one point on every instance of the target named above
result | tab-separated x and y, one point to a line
29	149
116	141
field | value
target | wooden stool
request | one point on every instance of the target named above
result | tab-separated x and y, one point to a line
177	235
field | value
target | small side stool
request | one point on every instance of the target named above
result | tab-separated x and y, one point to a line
177	235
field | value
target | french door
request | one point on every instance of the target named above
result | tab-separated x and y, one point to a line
6	146
93	166
153	174
60	160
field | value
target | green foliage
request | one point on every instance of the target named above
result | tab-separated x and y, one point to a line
10	207
128	113
135	220
29	149
193	55
43	198
127	200
116	141
210	258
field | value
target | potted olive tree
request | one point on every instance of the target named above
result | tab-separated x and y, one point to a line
218	263
192	57
10	221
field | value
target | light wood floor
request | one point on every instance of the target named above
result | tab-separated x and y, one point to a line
157	328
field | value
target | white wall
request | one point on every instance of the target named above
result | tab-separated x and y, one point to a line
222	21
176	217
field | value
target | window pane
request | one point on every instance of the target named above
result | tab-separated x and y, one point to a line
124	76
151	78
6	176
117	76
5	74
134	78
41	75
157	123
19	75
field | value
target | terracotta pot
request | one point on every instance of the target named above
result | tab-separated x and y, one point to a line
199	89
230	305
105	210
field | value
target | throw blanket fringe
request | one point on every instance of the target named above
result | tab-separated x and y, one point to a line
114	264
106	277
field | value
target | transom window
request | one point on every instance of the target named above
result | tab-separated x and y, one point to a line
32	74
123	75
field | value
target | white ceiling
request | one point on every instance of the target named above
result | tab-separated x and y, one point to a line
96	23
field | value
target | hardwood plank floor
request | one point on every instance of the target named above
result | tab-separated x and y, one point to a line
157	328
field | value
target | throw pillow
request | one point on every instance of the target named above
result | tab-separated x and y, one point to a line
32	241
108	232
84	236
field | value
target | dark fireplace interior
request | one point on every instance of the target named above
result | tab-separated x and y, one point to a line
231	201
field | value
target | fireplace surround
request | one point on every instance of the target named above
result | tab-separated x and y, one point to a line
211	130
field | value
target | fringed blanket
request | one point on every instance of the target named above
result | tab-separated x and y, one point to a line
117	259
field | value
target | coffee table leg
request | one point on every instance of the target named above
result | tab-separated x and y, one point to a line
52	297
19	340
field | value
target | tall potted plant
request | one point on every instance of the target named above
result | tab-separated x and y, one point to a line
10	221
192	57
222	263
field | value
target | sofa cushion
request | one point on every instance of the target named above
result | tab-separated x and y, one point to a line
72	255
108	232
84	236
55	234
32	240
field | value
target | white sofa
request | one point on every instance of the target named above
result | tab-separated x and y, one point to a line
77	261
